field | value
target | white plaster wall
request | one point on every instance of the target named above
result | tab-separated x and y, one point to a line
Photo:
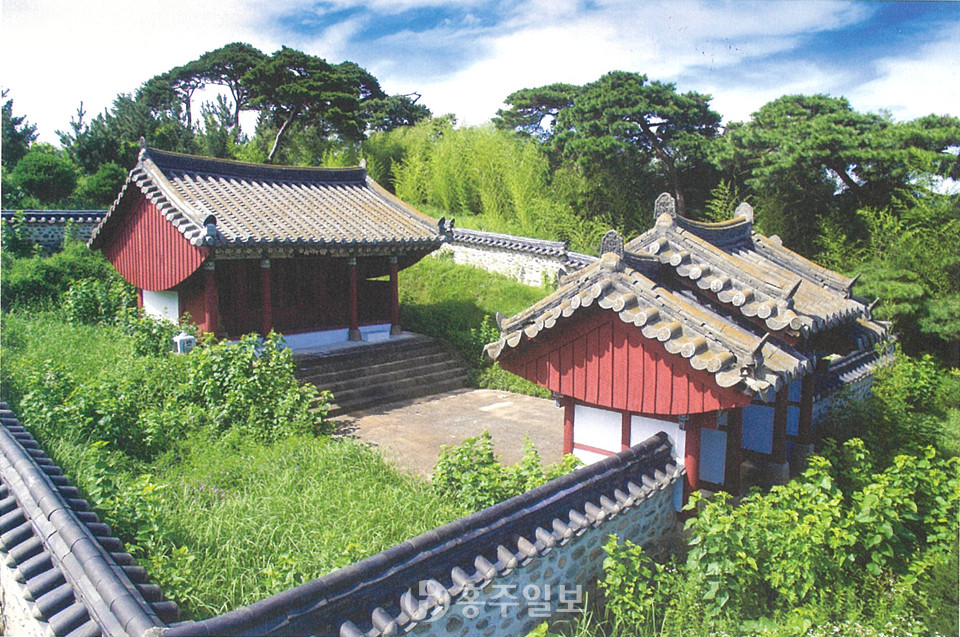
165	305
598	428
642	427
527	268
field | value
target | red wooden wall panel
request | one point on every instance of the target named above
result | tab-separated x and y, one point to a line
598	359
146	249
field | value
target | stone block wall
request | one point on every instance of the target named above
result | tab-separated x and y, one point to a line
552	584
530	261
47	228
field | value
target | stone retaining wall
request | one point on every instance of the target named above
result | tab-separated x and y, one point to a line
47	228
530	261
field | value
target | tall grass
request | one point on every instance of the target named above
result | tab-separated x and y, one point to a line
260	519
219	520
457	303
497	179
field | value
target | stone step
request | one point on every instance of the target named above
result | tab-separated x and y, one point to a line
441	387
368	353
336	380
373	387
378	373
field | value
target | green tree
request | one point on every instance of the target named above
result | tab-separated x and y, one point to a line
622	114
45	174
394	111
291	87
18	134
809	157
227	67
533	111
102	187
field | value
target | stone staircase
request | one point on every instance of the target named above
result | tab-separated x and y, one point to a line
379	373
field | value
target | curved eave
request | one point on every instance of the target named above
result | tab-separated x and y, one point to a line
658	321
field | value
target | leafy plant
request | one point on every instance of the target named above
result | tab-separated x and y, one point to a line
471	473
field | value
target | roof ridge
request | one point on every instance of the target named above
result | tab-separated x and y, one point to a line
200	164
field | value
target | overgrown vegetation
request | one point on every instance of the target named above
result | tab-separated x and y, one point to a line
472	475
863	543
211	467
457	303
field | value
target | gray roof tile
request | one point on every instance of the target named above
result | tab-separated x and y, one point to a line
61	552
708	340
258	205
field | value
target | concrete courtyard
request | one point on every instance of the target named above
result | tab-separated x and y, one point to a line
410	434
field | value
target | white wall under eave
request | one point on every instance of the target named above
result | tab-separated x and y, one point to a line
163	305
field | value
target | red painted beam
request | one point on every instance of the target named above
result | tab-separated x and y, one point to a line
567	426
210	298
691	458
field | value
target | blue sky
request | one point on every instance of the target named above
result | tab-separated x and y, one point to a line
466	57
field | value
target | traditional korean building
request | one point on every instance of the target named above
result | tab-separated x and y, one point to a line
713	333
310	252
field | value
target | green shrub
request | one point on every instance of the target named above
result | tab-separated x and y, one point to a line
470	473
92	301
39	283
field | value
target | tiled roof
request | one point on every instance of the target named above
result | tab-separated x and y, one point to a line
509	241
74	572
752	273
229	204
708	340
849	369
378	596
56	216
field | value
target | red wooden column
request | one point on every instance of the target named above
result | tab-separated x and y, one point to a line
210	297
691	457
805	426
394	298
778	449
139	299
354	334
266	297
625	431
567	425
731	470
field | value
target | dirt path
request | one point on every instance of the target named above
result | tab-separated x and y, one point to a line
410	434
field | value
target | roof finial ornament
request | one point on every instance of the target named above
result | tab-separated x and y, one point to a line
363	163
852	283
754	359
744	211
611	242
665	205
789	292
143	143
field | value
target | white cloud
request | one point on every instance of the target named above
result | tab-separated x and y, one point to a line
547	43
56	53
919	83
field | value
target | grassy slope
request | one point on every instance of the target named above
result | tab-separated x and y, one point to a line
450	301
240	521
